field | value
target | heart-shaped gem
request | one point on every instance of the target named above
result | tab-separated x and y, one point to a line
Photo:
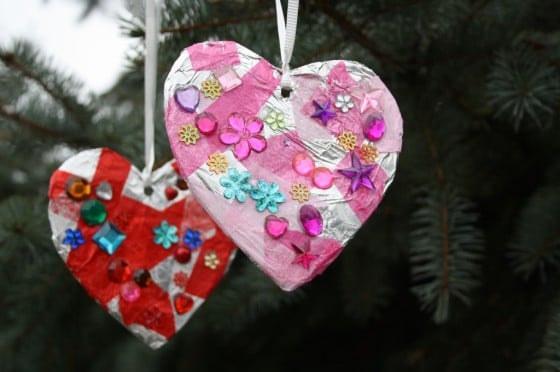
275	227
321	158
148	259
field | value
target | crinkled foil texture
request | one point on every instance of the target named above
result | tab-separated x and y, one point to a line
343	211
136	213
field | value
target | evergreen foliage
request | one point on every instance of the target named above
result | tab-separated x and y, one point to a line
473	216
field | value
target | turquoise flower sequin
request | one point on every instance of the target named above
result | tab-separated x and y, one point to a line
267	196
236	185
165	235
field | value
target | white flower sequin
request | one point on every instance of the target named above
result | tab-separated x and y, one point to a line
344	102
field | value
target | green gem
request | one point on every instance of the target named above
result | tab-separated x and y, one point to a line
93	212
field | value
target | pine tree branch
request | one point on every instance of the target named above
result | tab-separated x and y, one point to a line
398	6
479	8
443	205
11	61
217	23
325	48
36	320
548	244
28	123
354	31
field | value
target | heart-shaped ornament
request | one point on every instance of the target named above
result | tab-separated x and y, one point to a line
150	257
289	176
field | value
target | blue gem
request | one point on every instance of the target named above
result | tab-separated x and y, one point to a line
192	239
109	238
74	238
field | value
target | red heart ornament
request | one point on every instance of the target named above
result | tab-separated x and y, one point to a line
320	156
149	257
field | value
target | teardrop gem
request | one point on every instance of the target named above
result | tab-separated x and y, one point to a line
311	220
104	191
374	128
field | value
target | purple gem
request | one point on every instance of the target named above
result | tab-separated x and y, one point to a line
188	98
323	111
311	220
359	174
374	128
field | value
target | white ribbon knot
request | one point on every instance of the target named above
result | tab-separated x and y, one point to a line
287	37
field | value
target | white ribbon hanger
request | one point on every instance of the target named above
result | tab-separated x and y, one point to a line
287	37
150	82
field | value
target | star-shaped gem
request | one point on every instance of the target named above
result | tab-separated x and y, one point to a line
304	258
359	174
323	111
371	100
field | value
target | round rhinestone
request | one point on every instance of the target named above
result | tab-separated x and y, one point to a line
303	164
323	178
183	255
142	277
77	188
130	291
93	212
118	271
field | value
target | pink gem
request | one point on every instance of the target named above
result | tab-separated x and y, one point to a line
275	226
323	178
130	291
303	164
311	220
374	128
206	123
244	135
228	78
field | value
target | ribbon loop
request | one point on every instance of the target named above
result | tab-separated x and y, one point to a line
287	37
150	85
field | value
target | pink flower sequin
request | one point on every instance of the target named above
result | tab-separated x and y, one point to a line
244	135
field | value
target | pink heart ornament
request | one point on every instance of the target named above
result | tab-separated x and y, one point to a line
277	156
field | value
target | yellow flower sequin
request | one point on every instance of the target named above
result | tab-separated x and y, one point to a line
211	260
347	140
368	153
188	134
217	163
300	192
211	88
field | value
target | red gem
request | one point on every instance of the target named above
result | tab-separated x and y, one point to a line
171	192
182	184
183	303
183	255
118	270
142	277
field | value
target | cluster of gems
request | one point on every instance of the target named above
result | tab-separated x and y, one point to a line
110	236
243	135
